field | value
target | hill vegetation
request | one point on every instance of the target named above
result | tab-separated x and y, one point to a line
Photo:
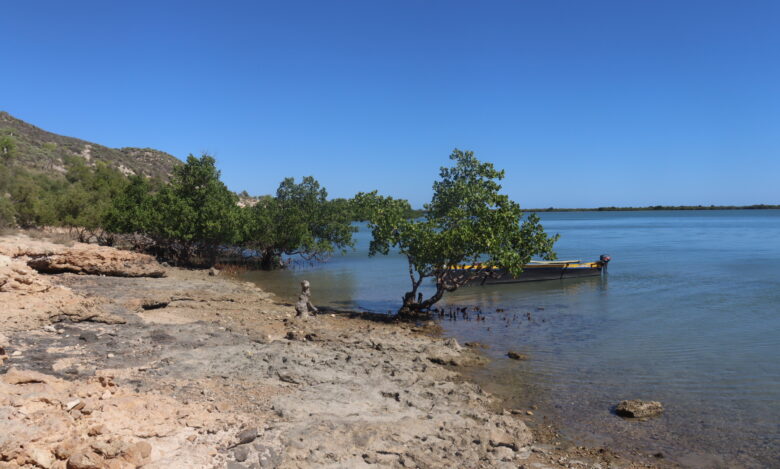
48	153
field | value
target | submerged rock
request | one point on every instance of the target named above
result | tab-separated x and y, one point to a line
516	356
639	409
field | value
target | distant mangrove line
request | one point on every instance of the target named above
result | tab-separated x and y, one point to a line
659	207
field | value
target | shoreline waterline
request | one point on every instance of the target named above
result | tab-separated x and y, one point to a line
685	315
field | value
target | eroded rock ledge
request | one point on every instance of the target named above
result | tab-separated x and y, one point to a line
79	258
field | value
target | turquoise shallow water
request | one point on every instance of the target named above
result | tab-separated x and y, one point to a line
689	314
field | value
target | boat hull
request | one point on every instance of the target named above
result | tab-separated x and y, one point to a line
534	273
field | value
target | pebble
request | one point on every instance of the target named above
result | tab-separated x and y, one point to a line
241	453
72	404
88	337
246	436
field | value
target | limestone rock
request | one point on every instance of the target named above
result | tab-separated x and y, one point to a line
98	260
85	460
639	409
41	457
137	453
48	257
15	376
29	299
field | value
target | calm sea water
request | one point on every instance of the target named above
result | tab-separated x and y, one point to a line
689	314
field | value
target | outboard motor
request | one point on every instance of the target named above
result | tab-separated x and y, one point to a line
604	260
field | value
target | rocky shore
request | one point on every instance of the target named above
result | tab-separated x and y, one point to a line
110	360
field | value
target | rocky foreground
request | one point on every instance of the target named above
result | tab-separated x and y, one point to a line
109	360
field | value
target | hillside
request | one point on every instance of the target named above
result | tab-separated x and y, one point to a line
46	151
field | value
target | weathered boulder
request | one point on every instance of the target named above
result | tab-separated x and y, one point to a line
50	257
639	409
16	277
30	300
97	260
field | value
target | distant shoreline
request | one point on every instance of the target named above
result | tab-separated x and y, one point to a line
421	212
658	207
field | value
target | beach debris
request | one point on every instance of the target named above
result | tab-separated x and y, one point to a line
638	409
303	307
516	355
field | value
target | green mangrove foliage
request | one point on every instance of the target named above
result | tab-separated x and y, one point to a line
186	220
468	221
189	220
299	220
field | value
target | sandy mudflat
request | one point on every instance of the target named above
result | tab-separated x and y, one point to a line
192	370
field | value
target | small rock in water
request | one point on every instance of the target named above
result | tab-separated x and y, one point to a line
516	356
213	272
638	409
475	345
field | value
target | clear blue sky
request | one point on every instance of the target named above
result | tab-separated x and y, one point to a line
584	103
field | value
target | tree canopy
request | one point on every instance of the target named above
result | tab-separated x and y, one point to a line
188	218
468	221
192	218
299	220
